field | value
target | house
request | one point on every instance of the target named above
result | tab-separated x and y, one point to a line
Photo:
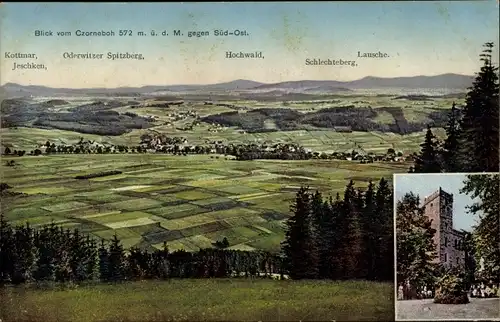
346	129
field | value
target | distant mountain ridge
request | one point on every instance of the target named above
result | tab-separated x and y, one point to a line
448	81
452	81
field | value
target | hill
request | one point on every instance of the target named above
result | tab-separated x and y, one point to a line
445	81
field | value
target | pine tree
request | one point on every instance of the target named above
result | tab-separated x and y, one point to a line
451	143
104	269
352	243
334	236
298	247
371	232
45	240
428	160
117	260
479	126
62	255
320	233
91	259
384	220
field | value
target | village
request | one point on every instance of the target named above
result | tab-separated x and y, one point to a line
160	143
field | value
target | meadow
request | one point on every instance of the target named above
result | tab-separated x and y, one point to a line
216	299
188	201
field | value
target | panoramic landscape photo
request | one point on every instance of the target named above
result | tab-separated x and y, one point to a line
195	170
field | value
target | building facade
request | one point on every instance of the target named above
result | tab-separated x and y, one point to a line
439	208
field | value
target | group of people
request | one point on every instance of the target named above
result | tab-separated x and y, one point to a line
410	293
425	293
485	290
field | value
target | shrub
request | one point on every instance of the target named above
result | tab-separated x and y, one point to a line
451	290
98	175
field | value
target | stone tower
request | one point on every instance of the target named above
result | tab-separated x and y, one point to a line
439	208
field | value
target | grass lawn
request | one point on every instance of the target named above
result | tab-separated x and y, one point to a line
203	300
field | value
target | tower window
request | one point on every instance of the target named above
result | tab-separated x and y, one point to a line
456	244
431	204
446	242
445	257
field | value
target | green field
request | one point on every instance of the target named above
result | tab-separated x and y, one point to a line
203	300
188	201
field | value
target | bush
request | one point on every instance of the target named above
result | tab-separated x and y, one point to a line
98	175
451	290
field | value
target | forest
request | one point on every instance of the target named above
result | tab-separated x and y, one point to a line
357	118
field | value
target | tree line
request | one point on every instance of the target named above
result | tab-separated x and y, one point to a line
55	254
472	135
241	152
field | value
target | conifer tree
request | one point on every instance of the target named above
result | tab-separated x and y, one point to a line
352	243
479	140
321	230
104	269
335	260
77	256
428	159
46	260
298	246
117	263
451	144
91	259
371	232
384	220
62	253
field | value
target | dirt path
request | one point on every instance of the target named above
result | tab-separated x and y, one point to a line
427	310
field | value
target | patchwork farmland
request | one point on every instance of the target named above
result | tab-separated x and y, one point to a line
187	201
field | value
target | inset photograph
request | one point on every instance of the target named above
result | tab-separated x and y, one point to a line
447	246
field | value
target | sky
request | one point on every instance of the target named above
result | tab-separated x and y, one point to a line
425	185
420	38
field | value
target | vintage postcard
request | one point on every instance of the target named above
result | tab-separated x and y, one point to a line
231	161
447	246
